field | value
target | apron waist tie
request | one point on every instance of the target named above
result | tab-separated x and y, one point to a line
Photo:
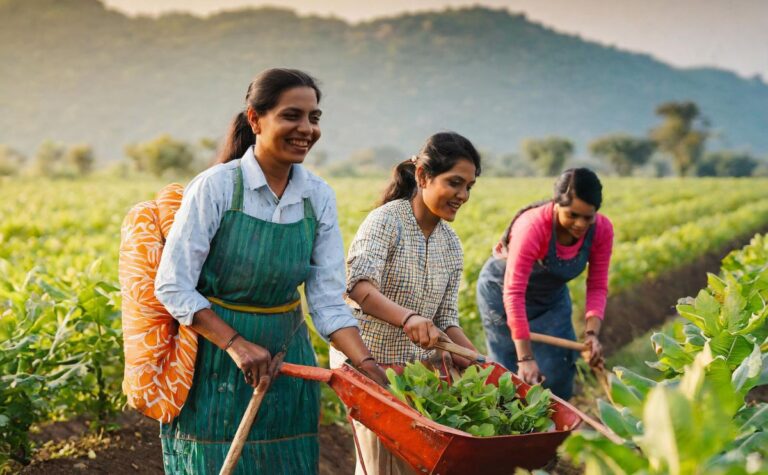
288	307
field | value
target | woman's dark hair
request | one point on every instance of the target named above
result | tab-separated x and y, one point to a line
438	155
263	94
581	183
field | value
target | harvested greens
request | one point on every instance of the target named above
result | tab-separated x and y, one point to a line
471	405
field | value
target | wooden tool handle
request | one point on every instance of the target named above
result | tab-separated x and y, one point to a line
461	351
608	433
230	462
555	341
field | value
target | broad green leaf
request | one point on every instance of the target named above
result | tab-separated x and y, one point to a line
747	374
625	396
601	456
660	442
630	378
716	284
753	418
734	303
615	421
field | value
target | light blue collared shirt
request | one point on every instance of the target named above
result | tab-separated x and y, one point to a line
209	195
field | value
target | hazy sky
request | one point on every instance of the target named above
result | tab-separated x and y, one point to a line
731	34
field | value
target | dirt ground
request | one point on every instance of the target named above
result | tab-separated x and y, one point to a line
134	447
645	306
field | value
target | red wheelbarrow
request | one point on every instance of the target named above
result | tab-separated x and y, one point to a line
425	445
434	448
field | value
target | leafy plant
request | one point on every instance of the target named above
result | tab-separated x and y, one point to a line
695	420
471	405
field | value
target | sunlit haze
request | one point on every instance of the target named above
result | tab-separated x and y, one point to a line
727	34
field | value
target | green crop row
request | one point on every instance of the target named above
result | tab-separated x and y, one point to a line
60	338
695	418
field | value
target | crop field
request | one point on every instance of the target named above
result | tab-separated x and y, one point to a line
60	335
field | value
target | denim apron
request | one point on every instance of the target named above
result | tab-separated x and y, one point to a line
548	305
251	276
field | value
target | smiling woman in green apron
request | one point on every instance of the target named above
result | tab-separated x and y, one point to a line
523	286
249	231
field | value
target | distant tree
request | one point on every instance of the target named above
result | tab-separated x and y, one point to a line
727	163
11	161
548	155
682	135
80	158
49	159
161	155
368	161
623	152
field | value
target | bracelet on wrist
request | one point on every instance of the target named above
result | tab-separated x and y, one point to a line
590	333
231	340
367	358
526	358
407	317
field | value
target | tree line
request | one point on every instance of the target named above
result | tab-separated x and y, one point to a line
676	146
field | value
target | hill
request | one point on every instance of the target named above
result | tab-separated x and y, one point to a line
75	71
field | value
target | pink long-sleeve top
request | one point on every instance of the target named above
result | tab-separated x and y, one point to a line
529	242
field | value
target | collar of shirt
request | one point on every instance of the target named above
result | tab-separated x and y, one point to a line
253	179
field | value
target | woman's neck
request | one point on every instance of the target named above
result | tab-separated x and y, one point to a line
276	173
564	238
426	220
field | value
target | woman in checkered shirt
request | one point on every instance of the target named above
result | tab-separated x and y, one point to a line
405	265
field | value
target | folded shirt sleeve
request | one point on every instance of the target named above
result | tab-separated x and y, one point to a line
325	284
187	247
368	252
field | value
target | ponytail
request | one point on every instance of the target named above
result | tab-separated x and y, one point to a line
403	183
239	137
262	96
439	154
505	237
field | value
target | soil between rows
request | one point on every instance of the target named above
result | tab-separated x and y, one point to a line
135	446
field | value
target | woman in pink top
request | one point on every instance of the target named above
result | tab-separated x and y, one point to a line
522	287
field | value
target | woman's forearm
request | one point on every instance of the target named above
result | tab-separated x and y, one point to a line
212	327
374	303
593	325
523	348
456	334
348	341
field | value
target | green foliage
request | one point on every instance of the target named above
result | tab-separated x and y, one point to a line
727	163
549	154
161	155
623	152
80	158
679	137
49	159
375	161
52	231
471	405
695	420
11	161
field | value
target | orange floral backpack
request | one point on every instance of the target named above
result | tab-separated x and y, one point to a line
159	353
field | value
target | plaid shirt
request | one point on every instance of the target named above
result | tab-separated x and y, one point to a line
420	274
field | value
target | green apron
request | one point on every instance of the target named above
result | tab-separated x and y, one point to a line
257	263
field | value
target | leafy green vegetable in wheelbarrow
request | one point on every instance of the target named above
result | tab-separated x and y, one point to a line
471	405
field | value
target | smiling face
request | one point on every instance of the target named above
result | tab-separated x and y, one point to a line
288	131
576	218
445	193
